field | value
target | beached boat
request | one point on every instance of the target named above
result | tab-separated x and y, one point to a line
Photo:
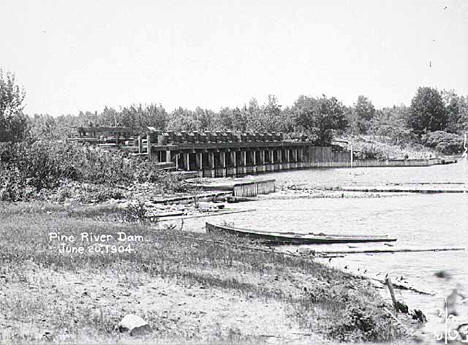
295	238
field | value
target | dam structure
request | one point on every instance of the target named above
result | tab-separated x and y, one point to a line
225	154
222	154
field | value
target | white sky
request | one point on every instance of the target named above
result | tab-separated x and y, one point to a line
83	55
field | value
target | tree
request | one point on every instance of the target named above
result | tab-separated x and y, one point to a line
319	117
182	120
226	119
44	126
361	115
457	111
264	118
88	119
391	122
232	119
286	121
427	112
253	114
109	117
157	116
13	123
270	117
205	120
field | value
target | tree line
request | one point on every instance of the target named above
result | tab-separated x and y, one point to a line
319	118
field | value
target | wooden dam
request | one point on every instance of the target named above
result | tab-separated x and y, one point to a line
225	154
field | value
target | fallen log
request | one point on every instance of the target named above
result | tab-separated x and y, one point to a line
190	197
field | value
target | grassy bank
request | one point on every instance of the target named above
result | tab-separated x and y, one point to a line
187	286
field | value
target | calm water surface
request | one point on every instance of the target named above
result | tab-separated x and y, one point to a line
416	220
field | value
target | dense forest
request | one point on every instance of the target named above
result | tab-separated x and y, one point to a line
434	118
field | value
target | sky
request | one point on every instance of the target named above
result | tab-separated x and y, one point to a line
87	54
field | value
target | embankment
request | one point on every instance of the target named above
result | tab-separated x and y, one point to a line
187	286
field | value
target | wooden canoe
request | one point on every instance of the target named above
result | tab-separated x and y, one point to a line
295	238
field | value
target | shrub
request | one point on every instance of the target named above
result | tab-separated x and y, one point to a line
444	142
361	324
48	164
397	135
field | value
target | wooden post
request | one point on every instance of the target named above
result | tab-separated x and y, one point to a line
253	156
168	156
222	158
352	158
234	158
139	144
199	160
148	146
187	161
263	160
211	160
388	282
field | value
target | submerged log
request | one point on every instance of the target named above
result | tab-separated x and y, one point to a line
404	287
390	250
400	190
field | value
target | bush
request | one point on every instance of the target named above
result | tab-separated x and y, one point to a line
397	135
358	324
48	164
444	142
370	152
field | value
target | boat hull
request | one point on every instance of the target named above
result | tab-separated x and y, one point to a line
294	238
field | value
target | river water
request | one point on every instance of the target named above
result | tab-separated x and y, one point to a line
416	220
